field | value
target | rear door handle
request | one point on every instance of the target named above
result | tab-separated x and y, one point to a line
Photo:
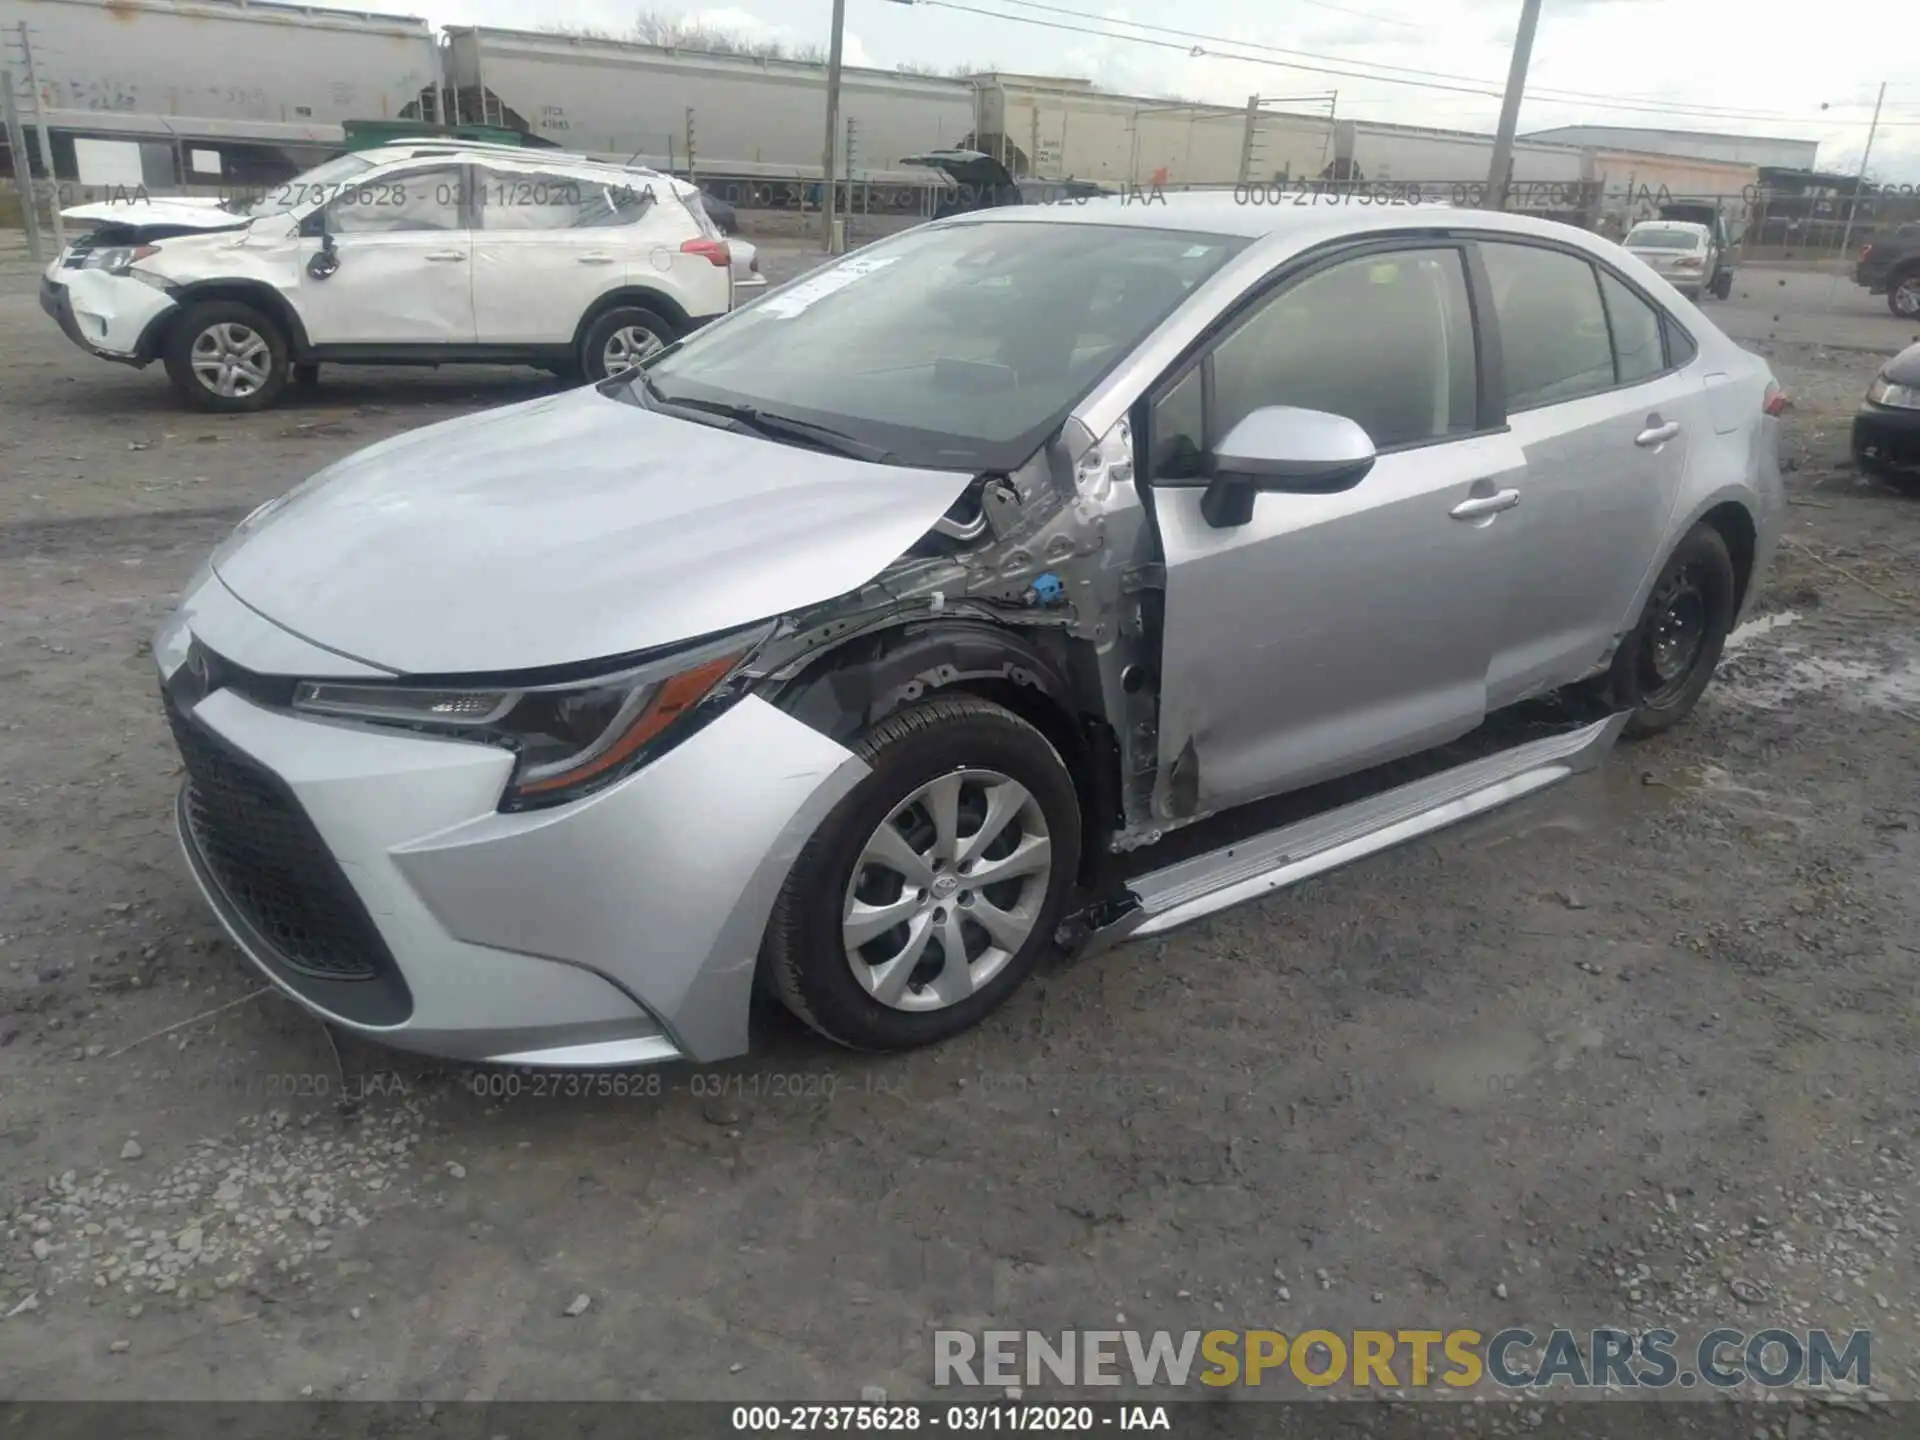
595	259
1481	506
1657	434
446	255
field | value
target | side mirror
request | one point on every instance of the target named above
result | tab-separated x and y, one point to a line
1281	448
326	261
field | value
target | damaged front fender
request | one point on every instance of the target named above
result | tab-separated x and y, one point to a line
1035	589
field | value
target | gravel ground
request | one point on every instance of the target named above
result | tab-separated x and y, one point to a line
1638	1051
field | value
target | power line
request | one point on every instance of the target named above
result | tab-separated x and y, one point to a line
1471	85
1655	104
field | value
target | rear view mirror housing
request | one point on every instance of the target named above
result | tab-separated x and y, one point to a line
1280	448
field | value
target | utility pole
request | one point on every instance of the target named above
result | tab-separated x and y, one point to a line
1846	235
46	140
1246	139
829	170
1496	196
22	167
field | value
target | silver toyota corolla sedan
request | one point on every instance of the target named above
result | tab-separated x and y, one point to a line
910	620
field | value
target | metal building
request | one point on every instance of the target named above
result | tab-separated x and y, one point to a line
1738	149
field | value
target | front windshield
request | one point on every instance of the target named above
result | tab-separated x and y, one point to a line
1665	240
315	186
953	347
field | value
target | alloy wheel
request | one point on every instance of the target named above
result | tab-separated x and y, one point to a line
231	360
629	346
947	890
1906	296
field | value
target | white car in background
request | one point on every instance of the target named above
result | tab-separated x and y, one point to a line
1681	252
746	266
419	253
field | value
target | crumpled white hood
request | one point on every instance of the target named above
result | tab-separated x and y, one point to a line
196	211
567	529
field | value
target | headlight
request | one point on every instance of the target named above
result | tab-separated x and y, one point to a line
571	739
117	258
1900	397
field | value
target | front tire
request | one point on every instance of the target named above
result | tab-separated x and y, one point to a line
226	356
928	895
1903	296
625	337
1661	669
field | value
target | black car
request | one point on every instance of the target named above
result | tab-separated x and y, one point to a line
1886	432
1891	268
721	212
980	182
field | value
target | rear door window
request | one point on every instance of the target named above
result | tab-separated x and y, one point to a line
1554	341
1637	351
526	200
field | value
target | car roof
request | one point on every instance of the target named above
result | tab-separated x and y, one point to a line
1317	216
1693	225
533	159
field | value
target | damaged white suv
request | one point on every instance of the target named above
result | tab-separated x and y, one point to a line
424	253
953	600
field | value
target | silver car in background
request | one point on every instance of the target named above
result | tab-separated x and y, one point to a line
1680	252
941	605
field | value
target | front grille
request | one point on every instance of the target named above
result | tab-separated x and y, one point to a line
271	864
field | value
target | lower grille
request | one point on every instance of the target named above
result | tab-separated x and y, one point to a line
271	864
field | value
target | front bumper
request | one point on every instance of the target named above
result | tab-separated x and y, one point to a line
623	929
1886	437
112	316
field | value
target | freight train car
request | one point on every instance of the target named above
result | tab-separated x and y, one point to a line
181	93
1058	129
724	117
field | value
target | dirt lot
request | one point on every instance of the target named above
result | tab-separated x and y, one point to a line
1638	1051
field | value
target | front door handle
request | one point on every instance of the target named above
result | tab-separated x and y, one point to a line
446	255
1481	506
1657	434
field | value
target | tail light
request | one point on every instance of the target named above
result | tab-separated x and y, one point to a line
1776	402
1866	250
716	251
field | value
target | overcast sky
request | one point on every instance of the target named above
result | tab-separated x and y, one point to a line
1721	65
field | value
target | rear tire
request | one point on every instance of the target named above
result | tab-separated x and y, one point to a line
1723	286
622	338
225	356
885	849
1663	666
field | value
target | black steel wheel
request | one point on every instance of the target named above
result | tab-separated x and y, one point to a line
1661	669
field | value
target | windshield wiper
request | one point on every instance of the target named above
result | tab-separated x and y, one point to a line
775	427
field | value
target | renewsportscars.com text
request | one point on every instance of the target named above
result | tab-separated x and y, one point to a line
1513	1359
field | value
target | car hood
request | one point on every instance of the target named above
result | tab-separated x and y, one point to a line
151	219
1904	368
566	529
